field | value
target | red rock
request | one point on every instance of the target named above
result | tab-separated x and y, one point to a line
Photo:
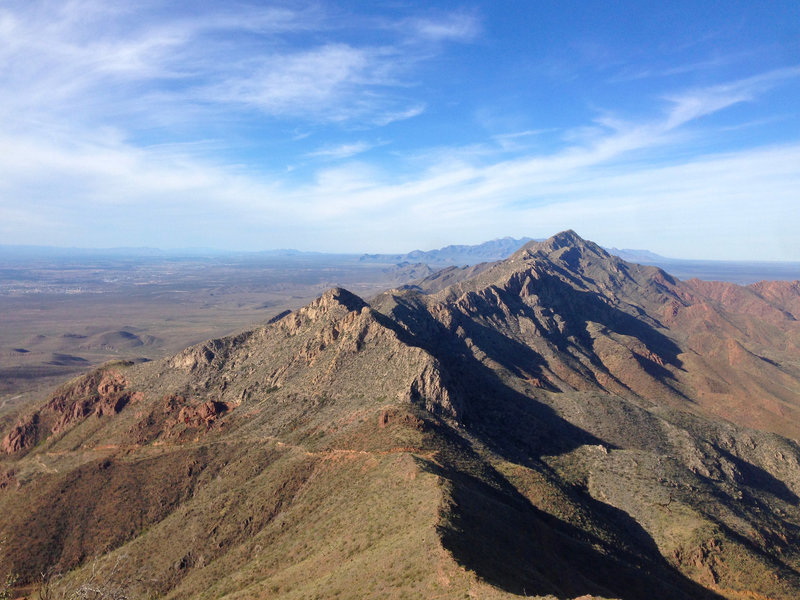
111	383
22	436
112	405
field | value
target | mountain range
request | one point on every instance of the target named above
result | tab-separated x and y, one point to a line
558	424
492	250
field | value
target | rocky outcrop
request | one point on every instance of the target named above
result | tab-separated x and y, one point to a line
333	304
704	560
203	414
210	355
178	416
394	415
22	436
102	392
428	389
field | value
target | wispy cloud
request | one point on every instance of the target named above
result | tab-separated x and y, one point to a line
630	73
111	60
518	139
301	82
697	103
593	181
596	184
343	150
449	27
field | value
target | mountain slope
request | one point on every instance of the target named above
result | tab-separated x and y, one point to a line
561	423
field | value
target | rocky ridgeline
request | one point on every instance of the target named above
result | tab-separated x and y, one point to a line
308	352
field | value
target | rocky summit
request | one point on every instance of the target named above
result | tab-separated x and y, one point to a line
559	424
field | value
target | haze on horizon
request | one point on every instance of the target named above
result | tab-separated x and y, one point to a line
339	127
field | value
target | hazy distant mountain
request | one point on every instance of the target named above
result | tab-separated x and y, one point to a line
742	272
455	254
640	256
735	271
561	423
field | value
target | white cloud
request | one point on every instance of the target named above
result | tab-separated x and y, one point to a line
390	116
293	83
456	27
697	103
91	61
335	82
342	150
705	205
518	139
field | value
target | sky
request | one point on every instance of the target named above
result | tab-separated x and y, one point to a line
389	126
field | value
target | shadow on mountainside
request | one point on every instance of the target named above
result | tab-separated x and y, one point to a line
488	525
515	425
526	426
493	530
581	307
756	477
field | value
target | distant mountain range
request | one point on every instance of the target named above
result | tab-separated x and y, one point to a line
558	424
455	254
741	272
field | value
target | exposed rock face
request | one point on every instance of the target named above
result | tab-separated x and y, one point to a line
22	436
705	559
394	415
203	414
588	320
429	390
102	392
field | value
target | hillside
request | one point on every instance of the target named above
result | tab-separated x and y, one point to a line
561	423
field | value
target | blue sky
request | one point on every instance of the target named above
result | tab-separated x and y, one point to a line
388	126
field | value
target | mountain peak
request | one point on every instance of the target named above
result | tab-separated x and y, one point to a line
567	237
339	297
556	244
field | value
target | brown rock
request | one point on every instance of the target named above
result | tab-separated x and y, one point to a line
22	436
173	401
100	392
111	405
186	414
201	414
394	415
110	383
8	479
210	410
